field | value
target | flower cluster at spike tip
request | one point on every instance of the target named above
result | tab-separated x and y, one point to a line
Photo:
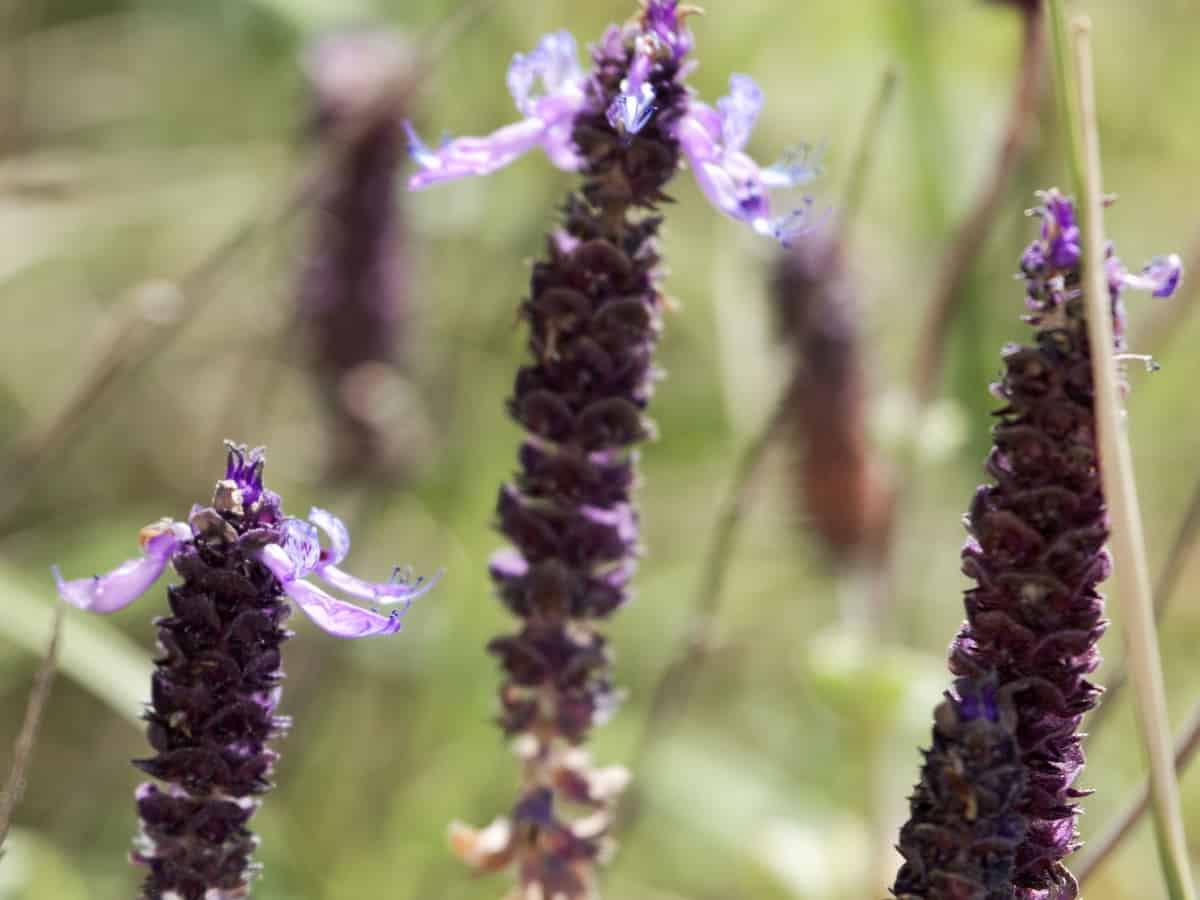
1036	553
713	140
290	548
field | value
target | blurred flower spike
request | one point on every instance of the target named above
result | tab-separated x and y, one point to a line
289	548
712	139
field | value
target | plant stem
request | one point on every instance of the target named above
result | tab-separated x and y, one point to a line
1065	92
1101	848
864	158
971	234
1168	581
673	689
1116	467
23	750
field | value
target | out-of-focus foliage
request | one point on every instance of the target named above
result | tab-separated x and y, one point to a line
136	134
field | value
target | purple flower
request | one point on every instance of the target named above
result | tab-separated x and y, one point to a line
217	681
712	140
290	549
1036	554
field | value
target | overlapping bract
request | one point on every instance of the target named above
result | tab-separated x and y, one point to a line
216	683
1036	554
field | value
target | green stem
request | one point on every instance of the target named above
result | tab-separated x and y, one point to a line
1116	468
1064	90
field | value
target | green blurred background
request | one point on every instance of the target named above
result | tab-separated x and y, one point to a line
138	134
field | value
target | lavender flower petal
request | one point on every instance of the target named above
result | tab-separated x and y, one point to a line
337	617
733	182
555	63
547	121
302	546
132	578
1160	277
339	535
396	590
472	155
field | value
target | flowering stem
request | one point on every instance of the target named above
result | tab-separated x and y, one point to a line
673	689
23	750
956	265
864	158
1168	581
1099	849
1128	541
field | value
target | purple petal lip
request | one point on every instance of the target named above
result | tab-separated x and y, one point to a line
108	593
336	617
1161	276
712	141
547	119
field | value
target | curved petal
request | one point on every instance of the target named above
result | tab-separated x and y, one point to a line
739	111
302	546
467	156
339	535
1160	277
108	593
337	617
554	61
397	590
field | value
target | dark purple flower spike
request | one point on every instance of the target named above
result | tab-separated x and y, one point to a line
1036	554
594	318
352	294
843	488
217	681
962	839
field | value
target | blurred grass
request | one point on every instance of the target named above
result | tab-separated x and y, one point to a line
147	130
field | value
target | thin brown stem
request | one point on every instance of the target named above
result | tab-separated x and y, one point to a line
1101	848
674	687
1168	581
23	750
969	239
868	143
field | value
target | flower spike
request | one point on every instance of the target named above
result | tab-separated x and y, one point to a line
217	678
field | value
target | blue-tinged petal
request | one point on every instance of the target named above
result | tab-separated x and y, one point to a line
337	617
468	156
302	545
554	61
128	581
798	166
629	113
792	225
739	111
1161	277
339	535
399	589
